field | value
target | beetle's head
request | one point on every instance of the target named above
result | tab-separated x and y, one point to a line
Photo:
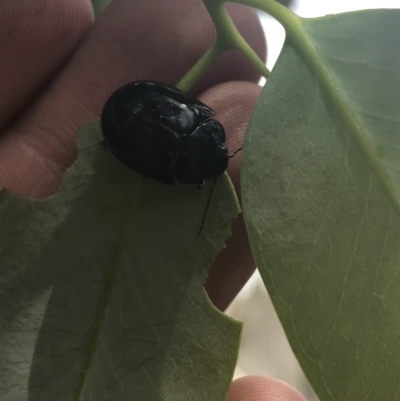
217	162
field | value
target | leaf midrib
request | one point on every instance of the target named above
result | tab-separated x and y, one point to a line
304	44
108	286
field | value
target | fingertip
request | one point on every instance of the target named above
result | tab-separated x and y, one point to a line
260	388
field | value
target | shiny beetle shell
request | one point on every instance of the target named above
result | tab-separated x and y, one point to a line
163	133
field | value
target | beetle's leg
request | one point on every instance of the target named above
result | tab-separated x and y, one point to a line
234	153
201	184
203	155
207	205
103	143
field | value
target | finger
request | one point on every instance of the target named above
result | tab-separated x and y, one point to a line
259	388
145	39
36	37
234	103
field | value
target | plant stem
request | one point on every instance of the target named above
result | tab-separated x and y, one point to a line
228	37
228	33
293	26
206	61
282	14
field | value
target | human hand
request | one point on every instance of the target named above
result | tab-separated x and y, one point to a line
58	68
130	41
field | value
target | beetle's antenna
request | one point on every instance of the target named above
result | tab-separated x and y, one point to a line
234	153
207	205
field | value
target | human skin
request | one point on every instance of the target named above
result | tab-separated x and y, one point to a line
59	66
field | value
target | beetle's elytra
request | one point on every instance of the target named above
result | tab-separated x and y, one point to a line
163	133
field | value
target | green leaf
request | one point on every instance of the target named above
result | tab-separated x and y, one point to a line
321	182
99	5
102	292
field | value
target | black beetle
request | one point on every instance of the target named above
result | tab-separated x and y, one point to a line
163	133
